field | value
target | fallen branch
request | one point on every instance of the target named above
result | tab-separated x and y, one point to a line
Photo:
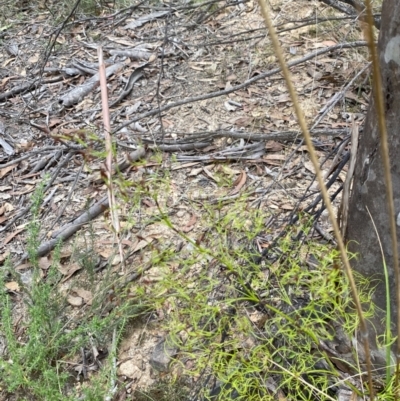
179	147
94	211
200	139
77	94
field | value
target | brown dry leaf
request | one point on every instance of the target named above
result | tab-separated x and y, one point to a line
340	125
4	82
29	188
4	256
152	58
136	245
121	41
275	157
4	171
74	301
68	270
106	252
325	43
34	58
54	122
44	263
329	43
352	96
8	206
143	243
239	182
5	196
284	98
281	395
208	149
273	146
184	165
317	75
286	206
86	295
243	93
273	160
12	286
65	254
112	242
8	61
116	260
210	175
167	123
149	203
228	170
189	226
12	235
243	121
195	171
194	67
302	148
309	166
23	266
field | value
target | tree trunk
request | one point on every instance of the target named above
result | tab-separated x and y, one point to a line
368	189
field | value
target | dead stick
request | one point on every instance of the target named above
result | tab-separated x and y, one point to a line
93	212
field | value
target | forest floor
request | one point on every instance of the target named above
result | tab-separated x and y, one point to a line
197	86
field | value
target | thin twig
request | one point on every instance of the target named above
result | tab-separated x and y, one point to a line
109	151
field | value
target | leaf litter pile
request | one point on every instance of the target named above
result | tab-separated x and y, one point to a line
200	120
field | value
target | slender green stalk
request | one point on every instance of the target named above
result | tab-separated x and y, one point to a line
388	334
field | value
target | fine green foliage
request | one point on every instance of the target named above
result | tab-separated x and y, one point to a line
37	362
242	322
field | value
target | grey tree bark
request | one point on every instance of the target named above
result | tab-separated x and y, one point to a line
368	190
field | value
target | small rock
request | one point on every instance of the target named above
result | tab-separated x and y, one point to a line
129	369
27	277
180	213
163	354
74	301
